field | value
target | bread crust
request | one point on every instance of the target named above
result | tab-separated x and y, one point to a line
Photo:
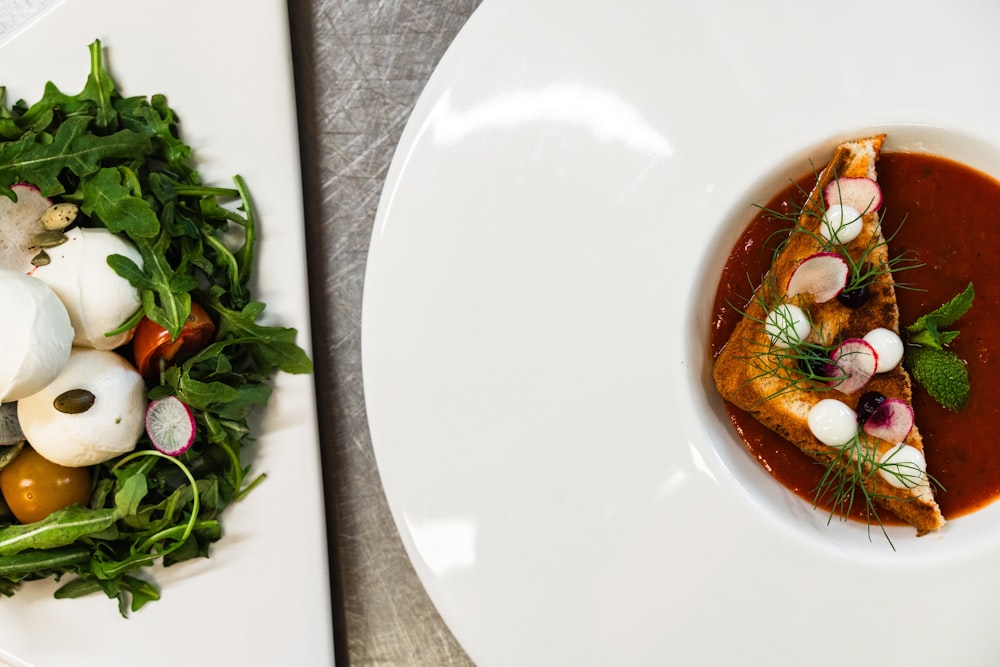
763	384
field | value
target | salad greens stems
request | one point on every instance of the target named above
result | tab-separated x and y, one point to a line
123	161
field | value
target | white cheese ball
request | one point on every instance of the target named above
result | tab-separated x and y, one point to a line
833	422
842	223
888	348
111	426
903	467
37	336
787	325
97	298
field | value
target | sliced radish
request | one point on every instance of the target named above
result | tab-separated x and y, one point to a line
891	421
19	224
852	364
824	275
841	223
861	194
170	425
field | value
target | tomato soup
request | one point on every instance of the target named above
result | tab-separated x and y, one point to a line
946	217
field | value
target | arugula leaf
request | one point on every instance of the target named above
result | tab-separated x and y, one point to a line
45	160
58	529
108	196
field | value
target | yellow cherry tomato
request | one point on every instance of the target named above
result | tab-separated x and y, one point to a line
34	487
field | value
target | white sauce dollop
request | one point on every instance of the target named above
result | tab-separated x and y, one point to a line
888	348
903	467
787	325
833	422
842	223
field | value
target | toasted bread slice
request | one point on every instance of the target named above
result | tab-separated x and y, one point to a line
765	385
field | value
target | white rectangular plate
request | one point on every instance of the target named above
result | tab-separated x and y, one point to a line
263	598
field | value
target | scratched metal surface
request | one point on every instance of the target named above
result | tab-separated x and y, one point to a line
360	66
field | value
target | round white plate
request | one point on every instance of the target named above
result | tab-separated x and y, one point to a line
536	321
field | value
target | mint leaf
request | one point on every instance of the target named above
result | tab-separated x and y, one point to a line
927	329
942	374
939	371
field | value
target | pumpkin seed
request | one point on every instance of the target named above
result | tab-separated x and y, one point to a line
41	259
74	401
48	239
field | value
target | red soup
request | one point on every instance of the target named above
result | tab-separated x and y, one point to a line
947	217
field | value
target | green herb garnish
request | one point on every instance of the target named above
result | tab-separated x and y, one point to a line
863	269
123	162
799	365
851	472
934	367
849	475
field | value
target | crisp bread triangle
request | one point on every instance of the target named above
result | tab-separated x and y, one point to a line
743	374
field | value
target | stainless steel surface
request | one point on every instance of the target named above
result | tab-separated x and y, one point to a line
360	66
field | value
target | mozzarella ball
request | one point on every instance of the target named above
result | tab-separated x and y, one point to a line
833	422
113	423
841	223
98	299
787	325
903	467
37	335
888	348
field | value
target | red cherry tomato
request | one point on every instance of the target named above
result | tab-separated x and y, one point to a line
151	343
34	487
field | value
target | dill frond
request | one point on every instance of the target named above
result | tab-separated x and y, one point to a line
854	469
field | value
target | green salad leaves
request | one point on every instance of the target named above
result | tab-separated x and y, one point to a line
122	161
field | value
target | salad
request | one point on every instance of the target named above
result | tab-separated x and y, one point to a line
135	355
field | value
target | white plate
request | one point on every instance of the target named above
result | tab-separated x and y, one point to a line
263	598
536	318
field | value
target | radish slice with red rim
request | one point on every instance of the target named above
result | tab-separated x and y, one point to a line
823	274
170	425
861	194
891	421
852	364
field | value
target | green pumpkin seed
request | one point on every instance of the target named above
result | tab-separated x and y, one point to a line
74	401
41	259
48	239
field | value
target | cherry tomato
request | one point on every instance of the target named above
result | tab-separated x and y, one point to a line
34	487
151	342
